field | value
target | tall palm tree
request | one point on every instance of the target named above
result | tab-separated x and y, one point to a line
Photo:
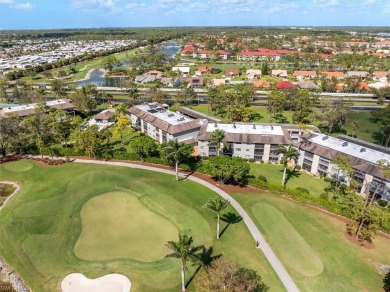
185	251
217	205
217	137
176	152
289	153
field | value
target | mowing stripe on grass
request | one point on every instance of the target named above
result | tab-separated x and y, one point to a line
296	252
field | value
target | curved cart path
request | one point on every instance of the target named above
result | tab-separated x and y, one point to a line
256	234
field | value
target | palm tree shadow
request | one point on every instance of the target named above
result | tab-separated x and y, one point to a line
229	218
206	258
290	173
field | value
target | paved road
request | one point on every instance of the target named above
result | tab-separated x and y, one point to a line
257	236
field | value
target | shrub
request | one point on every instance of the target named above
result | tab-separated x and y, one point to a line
302	190
324	196
251	160
262	178
327	179
298	167
262	161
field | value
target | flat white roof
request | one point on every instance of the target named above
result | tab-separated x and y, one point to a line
350	148
32	106
173	118
253	129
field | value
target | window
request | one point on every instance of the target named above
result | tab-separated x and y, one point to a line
202	147
247	150
237	149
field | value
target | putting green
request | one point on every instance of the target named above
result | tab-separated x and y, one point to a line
119	225
19	166
291	245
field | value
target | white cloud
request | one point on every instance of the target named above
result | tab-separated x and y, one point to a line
6	1
92	6
23	6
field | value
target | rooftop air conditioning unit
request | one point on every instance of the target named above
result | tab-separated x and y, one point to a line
344	144
215	125
254	127
325	138
363	150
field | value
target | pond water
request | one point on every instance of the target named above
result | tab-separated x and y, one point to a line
96	77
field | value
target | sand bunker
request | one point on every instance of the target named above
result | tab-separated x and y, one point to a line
77	282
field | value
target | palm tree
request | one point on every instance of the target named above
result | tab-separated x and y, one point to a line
289	153
217	205
176	152
185	251
354	126
217	137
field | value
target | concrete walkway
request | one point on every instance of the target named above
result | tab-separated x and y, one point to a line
257	236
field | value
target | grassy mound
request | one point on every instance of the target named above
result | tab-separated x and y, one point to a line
118	225
300	256
19	166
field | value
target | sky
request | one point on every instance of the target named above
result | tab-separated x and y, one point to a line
38	14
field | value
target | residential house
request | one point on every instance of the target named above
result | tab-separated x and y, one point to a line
279	73
195	82
253	73
333	74
232	73
381	76
185	71
284	84
357	74
261	84
203	70
304	74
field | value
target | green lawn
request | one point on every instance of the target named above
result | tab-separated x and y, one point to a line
48	229
274	174
312	246
203	108
368	130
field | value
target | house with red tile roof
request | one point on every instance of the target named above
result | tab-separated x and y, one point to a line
203	70
284	84
261	84
381	76
223	54
232	72
331	74
304	74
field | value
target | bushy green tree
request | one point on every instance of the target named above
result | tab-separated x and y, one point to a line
143	146
225	168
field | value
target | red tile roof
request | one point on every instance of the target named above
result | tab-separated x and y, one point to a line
284	84
204	69
261	83
381	74
333	74
305	73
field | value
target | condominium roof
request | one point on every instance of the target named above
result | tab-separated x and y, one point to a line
29	109
362	158
247	133
160	117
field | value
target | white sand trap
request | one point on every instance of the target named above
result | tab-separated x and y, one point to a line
77	282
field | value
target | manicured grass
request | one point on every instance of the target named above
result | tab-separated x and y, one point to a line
203	108
296	232
41	225
112	214
274	174
368	129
